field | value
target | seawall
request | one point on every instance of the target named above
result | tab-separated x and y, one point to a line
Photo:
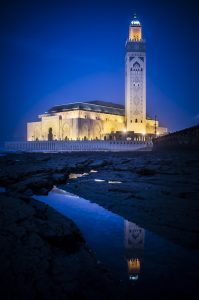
68	146
186	139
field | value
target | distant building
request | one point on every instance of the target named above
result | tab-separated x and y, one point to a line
104	120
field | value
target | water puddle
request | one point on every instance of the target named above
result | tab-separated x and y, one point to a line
2	189
114	181
132	253
99	180
79	175
76	175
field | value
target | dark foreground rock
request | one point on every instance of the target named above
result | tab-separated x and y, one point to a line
44	256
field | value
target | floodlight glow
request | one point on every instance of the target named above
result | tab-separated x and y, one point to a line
135	22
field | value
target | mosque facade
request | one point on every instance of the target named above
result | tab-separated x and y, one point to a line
100	120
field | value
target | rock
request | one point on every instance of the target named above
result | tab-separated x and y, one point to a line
28	192
146	172
59	177
99	163
44	256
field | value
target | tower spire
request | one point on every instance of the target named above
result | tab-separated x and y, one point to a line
135	29
135	82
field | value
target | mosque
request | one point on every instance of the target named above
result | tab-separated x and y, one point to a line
100	120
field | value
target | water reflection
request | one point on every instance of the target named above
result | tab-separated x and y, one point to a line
2	189
117	242
134	255
99	180
114	181
79	175
133	245
75	175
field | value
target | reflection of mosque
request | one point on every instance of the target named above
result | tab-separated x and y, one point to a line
134	245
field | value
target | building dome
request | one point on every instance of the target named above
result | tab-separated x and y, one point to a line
135	21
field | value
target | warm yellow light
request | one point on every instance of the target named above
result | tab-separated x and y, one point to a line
133	265
135	33
124	130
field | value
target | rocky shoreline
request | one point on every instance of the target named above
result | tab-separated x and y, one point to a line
43	254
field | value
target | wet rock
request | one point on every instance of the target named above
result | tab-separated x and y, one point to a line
41	191
99	163
44	256
28	192
59	177
70	243
146	172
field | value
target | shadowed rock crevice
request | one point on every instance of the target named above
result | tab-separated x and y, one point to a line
70	243
44	256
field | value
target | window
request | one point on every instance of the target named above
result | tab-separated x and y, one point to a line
136	120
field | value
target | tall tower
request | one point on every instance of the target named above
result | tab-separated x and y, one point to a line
135	79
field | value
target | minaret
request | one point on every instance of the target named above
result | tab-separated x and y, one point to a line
135	79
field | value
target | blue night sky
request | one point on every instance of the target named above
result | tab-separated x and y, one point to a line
55	52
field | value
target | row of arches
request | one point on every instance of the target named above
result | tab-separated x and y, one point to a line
67	133
67	130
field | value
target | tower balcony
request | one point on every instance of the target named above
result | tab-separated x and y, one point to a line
135	41
135	46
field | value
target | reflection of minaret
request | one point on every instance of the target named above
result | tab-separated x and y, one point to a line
133	243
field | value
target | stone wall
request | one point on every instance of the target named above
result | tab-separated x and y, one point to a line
184	139
74	125
67	146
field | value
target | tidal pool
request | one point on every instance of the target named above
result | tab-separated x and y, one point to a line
145	261
2	189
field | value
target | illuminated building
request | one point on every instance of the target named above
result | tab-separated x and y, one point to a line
104	120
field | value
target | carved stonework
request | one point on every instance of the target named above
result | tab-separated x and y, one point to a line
136	100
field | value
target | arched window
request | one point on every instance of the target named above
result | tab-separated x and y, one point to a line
136	120
50	134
